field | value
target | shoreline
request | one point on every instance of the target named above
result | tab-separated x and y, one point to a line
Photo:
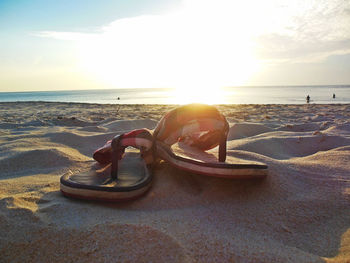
173	104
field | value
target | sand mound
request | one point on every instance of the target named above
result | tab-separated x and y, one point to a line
71	121
103	243
128	125
285	145
34	161
242	130
85	144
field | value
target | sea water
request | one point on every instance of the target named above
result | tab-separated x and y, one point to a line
232	95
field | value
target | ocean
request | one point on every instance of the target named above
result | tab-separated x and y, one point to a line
233	95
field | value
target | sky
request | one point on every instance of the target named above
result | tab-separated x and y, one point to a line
182	44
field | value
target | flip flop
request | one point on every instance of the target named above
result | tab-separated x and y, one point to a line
119	175
185	136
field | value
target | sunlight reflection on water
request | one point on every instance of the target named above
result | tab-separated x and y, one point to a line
197	96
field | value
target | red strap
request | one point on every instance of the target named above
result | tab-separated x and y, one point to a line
198	125
104	154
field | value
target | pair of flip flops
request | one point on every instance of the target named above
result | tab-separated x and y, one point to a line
185	137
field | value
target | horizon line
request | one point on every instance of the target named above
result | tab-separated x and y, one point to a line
236	86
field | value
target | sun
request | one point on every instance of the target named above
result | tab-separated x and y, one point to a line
194	50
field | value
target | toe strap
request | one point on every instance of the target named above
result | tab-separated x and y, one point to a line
113	150
117	152
222	149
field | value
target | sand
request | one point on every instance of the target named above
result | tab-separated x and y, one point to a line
299	213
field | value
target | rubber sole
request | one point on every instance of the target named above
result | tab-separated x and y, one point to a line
96	195
95	183
223	170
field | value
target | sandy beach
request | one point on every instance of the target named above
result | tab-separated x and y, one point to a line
299	213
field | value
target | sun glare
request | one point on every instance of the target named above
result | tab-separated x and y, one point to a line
196	50
197	95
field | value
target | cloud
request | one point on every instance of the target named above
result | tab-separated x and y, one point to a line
314	30
209	42
73	36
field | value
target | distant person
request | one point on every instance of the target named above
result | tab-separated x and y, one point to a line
307	98
333	96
